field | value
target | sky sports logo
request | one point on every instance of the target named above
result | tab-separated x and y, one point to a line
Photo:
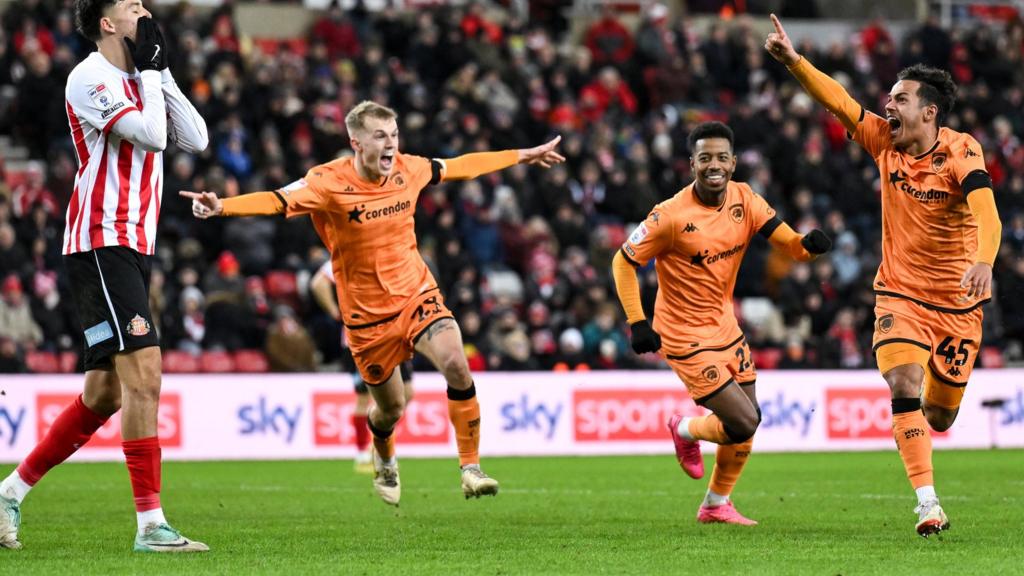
168	424
861	413
626	415
425	420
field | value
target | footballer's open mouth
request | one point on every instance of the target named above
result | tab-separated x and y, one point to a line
387	159
715	178
894	124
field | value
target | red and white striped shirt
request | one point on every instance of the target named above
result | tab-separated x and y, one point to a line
116	200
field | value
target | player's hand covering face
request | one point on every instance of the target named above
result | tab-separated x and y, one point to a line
377	146
906	113
713	164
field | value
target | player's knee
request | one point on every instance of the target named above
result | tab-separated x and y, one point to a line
104	402
940	419
392	409
904	383
742	429
456	370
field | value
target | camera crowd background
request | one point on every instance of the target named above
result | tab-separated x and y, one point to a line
523	256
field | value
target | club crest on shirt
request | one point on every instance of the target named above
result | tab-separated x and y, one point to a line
100	96
737	213
138	326
638	235
885	323
938	161
710	374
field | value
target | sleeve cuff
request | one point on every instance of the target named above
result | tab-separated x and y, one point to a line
770	226
974	181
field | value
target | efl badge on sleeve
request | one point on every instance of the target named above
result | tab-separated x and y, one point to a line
100	96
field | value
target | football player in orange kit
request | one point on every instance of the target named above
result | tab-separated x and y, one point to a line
362	207
940	237
698	238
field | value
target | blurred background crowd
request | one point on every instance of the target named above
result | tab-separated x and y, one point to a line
524	255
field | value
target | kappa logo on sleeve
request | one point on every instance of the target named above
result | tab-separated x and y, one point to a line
101	96
297	185
638	234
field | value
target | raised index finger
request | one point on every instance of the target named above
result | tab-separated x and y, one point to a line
778	25
190	194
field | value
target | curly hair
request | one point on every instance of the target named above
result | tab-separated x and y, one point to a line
87	17
709	130
936	87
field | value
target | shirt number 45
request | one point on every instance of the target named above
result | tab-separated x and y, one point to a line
956	355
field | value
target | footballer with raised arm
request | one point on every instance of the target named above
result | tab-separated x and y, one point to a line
362	207
940	237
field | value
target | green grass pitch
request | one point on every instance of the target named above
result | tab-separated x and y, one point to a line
822	514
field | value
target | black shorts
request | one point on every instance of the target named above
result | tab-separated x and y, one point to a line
405	369
111	292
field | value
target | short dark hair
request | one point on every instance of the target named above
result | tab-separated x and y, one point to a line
87	17
706	130
936	87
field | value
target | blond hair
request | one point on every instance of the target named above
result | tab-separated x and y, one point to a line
355	120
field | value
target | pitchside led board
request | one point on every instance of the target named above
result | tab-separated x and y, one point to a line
243	416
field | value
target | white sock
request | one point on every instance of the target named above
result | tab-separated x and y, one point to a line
468	466
154	516
925	493
684	429
712	499
14	487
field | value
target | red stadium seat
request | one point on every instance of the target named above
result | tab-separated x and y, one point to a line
992	357
180	362
217	362
766	358
282	286
68	361
251	361
42	362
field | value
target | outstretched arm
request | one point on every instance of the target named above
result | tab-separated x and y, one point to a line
469	166
207	205
819	85
800	247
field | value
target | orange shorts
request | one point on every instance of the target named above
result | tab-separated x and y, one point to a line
377	348
707	371
952	339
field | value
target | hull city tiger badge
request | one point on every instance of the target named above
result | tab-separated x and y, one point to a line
710	374
138	326
737	213
885	323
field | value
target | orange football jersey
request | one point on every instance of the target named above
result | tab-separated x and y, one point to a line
368	228
929	236
698	251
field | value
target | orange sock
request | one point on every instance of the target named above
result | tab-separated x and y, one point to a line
708	428
914	440
383	440
729	462
464	412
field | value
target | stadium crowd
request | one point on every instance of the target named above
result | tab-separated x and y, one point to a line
523	255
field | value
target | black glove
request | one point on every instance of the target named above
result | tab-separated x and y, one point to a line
147	51
165	57
816	242
644	338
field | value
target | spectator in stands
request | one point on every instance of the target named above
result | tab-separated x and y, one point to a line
191	332
608	95
289	346
11	361
16	320
33	192
337	33
53	320
12	255
608	40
